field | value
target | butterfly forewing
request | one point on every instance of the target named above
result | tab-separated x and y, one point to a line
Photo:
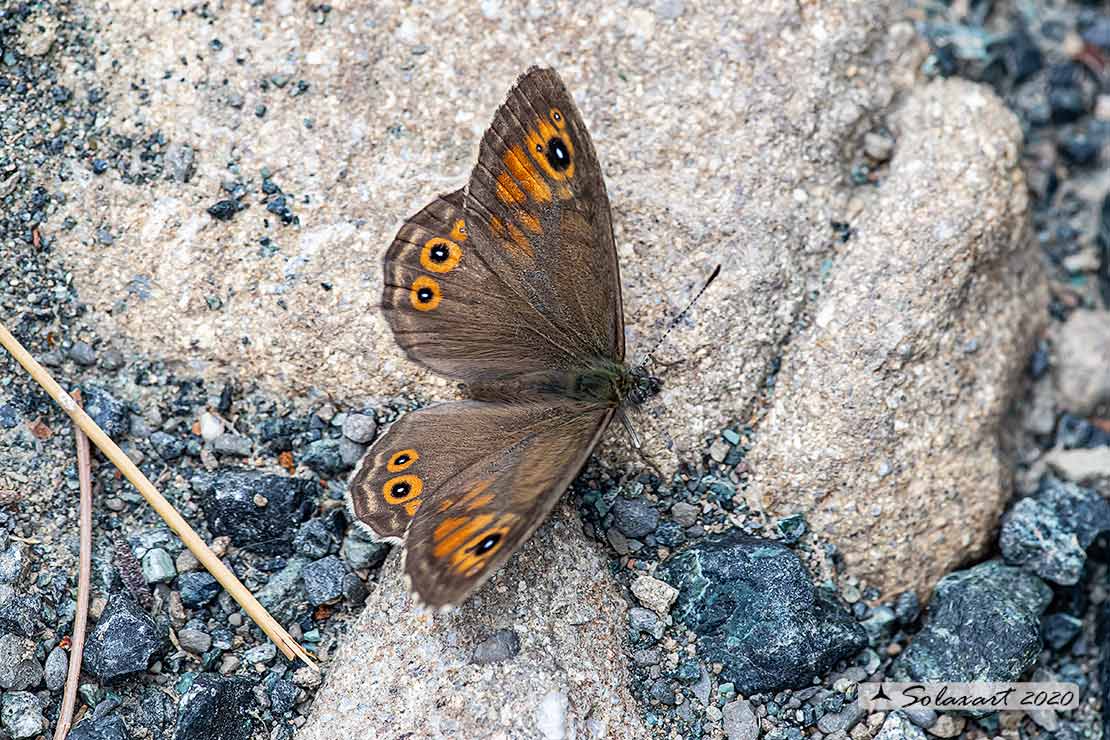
470	481
537	199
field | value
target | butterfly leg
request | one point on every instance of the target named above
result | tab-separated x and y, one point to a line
627	424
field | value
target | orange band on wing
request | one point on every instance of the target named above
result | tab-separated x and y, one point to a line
520	240
526	173
458	231
452	541
507	191
529	222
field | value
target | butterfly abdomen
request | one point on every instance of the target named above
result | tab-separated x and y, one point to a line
598	385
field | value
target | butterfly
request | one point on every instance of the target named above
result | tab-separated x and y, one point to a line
510	286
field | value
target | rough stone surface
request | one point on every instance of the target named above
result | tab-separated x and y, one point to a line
57	665
653	593
1081	371
885	426
1080	465
740	722
122	642
378	150
1049	533
982	624
107	411
110	727
897	726
502	645
323	580
755	610
569	676
21	715
216	708
19	669
230	499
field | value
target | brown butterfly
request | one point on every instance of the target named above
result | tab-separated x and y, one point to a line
511	286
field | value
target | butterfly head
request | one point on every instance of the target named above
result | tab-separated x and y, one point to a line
639	385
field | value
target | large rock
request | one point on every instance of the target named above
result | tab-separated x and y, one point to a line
982	624
1049	533
755	610
885	428
403	673
722	132
736	159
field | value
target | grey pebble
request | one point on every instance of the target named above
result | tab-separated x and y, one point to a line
360	428
57	667
739	720
123	641
82	353
323	580
842	721
232	444
111	360
362	552
662	691
350	452
21	715
923	718
263	653
354	590
181	161
313	539
645	620
13	563
685	514
158	566
18	668
194	641
323	456
634	517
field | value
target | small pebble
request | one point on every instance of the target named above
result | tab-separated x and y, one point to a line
360	428
82	353
57	667
195	641
654	594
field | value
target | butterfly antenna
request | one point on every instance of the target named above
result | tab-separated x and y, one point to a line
681	315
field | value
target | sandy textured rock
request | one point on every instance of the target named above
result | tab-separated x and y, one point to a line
885	427
1082	367
722	135
410	674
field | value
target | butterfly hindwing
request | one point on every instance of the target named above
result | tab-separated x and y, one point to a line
470	481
